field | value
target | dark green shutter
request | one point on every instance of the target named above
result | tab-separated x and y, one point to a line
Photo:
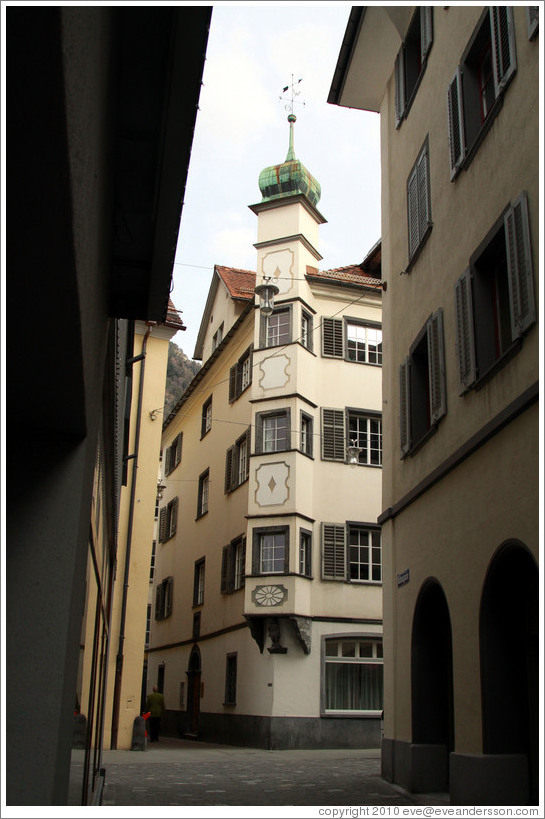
333	435
333	552
519	266
332	337
465	338
436	359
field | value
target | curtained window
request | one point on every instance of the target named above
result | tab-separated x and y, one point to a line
353	675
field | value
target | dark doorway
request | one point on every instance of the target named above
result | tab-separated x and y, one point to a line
509	629
193	692
161	679
431	669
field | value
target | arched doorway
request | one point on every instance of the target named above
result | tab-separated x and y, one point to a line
193	691
509	643
431	669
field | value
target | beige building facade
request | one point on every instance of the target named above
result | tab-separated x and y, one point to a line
267	621
135	534
457	92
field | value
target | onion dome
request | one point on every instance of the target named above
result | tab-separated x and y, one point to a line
289	178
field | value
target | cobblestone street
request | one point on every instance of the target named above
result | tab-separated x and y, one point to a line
178	772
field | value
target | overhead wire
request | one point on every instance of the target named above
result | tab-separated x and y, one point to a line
272	355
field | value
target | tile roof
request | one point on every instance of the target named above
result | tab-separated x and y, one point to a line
239	283
351	274
174	317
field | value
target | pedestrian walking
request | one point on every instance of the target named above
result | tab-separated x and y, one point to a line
155	704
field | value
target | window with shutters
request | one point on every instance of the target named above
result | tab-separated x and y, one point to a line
233	561
173	454
275	329
237	463
198	582
351	552
272	431
163	599
423	386
411	60
305	553
352	427
202	497
240	375
168	518
270	550
475	93
352	340
419	222
353	675
206	417
231	679
495	303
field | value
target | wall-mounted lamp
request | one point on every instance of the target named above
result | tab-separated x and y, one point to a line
353	453
266	293
160	489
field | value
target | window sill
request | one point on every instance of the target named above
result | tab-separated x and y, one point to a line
201	515
421	441
229	704
498	365
368	363
479	139
307	349
351	715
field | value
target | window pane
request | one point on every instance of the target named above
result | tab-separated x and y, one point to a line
353	686
272	552
278	328
348	649
331	648
275	433
366	649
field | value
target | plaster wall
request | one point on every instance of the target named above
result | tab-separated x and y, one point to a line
454	236
288	220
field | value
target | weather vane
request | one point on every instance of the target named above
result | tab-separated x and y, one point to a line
288	104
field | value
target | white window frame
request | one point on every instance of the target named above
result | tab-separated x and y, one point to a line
362	333
366	543
344	643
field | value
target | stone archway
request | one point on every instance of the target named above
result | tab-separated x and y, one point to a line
509	651
431	689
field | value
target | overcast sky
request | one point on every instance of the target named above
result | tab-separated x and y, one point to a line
253	51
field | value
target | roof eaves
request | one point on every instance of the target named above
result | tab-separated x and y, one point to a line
204	369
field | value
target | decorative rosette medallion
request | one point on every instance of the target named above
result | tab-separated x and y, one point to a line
269	595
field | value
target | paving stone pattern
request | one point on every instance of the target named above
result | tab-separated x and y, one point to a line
177	772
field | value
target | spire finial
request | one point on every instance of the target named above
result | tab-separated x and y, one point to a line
291	116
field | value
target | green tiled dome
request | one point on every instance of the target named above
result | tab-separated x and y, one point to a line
289	178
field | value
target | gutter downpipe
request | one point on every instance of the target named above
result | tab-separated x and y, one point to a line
134	458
